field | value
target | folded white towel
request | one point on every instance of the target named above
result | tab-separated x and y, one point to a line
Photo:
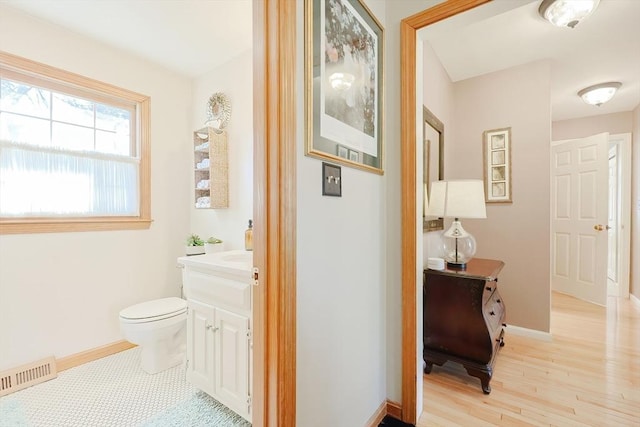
203	184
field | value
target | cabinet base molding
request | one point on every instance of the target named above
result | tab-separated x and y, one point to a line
87	356
529	333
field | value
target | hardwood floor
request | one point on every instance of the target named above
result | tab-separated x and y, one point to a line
588	375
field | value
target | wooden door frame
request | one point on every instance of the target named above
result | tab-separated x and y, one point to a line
274	213
408	29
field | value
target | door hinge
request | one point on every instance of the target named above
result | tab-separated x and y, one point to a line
249	402
256	273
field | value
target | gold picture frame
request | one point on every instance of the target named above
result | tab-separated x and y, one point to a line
497	165
344	48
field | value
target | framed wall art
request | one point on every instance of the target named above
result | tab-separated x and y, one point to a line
497	165
344	47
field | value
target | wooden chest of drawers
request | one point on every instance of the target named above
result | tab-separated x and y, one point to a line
464	318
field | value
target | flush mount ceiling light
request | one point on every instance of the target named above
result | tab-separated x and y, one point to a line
566	13
600	93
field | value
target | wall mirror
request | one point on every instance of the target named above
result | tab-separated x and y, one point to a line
433	165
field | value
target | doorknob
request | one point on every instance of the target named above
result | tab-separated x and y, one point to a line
601	227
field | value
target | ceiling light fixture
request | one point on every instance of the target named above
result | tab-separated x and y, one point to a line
600	93
566	13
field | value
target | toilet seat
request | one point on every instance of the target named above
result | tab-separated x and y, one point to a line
151	311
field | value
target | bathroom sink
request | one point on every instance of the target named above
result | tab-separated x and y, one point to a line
236	256
237	263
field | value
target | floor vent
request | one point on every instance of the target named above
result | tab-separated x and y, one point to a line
25	376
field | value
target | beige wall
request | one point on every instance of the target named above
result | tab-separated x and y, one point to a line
587	126
60	293
517	233
635	206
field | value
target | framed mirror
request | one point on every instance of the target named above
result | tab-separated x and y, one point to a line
433	165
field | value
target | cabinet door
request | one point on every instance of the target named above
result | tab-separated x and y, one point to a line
200	346
232	360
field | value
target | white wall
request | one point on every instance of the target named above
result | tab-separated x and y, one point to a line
235	79
60	293
341	285
517	233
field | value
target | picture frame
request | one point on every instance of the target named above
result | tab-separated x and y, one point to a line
497	165
344	48
331	180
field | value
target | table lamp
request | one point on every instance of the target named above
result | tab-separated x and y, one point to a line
457	199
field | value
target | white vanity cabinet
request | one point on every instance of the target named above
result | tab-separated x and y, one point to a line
219	329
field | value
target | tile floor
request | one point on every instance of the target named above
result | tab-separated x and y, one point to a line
114	391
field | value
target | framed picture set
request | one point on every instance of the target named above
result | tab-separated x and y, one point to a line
497	165
344	47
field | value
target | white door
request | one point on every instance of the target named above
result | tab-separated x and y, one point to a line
200	346
579	202
613	265
232	358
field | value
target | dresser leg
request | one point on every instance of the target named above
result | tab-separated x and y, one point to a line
427	367
484	377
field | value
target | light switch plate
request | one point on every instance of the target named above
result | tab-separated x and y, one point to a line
331	180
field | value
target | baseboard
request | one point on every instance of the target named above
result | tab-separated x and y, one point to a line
394	409
529	333
91	355
635	301
377	417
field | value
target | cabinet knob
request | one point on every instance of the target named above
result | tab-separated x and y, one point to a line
498	301
488	288
211	328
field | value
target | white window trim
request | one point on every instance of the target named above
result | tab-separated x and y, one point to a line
50	225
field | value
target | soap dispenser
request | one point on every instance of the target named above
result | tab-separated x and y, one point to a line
248	237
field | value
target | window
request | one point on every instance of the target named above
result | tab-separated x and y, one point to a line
74	152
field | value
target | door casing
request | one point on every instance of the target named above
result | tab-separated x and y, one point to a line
408	28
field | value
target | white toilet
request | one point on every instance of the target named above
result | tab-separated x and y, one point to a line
159	328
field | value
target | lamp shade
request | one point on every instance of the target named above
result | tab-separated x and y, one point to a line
457	199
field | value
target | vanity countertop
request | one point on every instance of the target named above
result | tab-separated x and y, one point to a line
238	263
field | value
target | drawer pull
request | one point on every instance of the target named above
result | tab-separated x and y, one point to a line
498	301
210	327
492	313
488	288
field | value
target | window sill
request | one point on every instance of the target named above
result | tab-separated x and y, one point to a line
64	225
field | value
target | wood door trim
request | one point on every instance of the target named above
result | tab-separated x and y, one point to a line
274	201
408	29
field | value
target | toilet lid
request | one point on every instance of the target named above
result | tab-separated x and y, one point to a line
154	308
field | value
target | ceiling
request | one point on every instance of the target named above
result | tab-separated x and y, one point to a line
192	37
502	34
